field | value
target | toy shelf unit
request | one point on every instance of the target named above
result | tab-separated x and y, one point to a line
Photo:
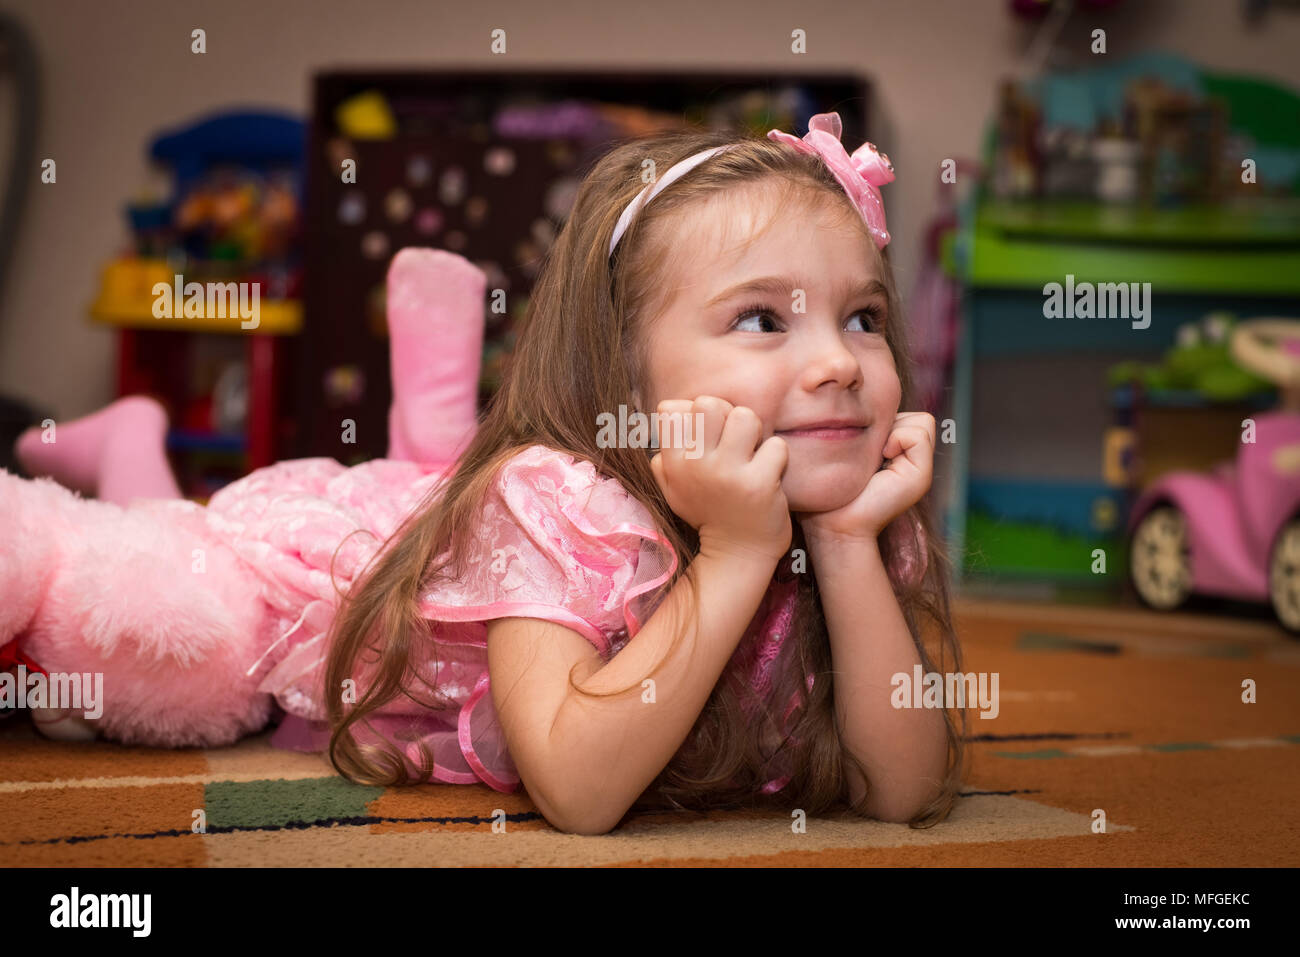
206	302
1053	456
485	165
1129	175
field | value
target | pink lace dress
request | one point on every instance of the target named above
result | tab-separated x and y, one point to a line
559	542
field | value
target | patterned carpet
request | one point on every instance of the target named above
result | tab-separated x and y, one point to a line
1136	714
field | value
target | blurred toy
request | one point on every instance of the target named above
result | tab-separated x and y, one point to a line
1181	141
1200	362
1118	175
239	215
344	385
366	116
1018	162
230	399
1236	531
278	216
1150	129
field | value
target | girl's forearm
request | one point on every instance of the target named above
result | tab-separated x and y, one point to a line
903	749
613	748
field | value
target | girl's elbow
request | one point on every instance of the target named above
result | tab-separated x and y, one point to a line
900	807
585	828
573	815
917	804
896	814
583	823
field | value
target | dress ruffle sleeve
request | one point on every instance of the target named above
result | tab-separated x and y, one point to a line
557	542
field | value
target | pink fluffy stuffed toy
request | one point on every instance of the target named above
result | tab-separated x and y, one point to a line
156	592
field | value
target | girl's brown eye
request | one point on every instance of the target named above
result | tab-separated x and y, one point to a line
875	321
750	312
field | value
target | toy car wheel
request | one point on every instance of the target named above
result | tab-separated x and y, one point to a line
1159	559
1284	576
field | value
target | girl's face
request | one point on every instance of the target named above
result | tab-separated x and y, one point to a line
792	327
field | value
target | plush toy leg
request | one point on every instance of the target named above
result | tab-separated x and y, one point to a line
143	603
115	454
435	327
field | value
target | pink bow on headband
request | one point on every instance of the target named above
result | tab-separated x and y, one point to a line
859	174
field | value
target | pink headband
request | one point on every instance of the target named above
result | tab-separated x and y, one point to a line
860	174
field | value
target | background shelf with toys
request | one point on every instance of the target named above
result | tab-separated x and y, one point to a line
230	214
1135	172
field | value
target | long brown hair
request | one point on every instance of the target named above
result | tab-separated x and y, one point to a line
579	353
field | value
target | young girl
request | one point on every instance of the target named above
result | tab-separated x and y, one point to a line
692	626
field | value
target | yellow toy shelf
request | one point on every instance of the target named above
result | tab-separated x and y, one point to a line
126	299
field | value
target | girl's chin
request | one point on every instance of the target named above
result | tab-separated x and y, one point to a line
810	506
818	497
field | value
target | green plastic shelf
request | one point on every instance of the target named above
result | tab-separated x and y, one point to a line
1189	250
1274	222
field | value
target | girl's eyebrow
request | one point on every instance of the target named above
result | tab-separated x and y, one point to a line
774	285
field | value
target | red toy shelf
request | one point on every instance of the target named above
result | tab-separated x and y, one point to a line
164	357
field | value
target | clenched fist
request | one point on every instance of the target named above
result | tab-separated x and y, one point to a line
730	491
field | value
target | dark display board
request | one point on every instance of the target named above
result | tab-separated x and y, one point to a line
485	165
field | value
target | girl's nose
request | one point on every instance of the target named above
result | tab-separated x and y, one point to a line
832	361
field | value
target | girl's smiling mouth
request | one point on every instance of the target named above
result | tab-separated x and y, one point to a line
840	428
838	433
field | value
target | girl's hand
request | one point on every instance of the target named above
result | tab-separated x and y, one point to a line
729	492
909	456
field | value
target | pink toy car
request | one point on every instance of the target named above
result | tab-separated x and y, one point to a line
1235	532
